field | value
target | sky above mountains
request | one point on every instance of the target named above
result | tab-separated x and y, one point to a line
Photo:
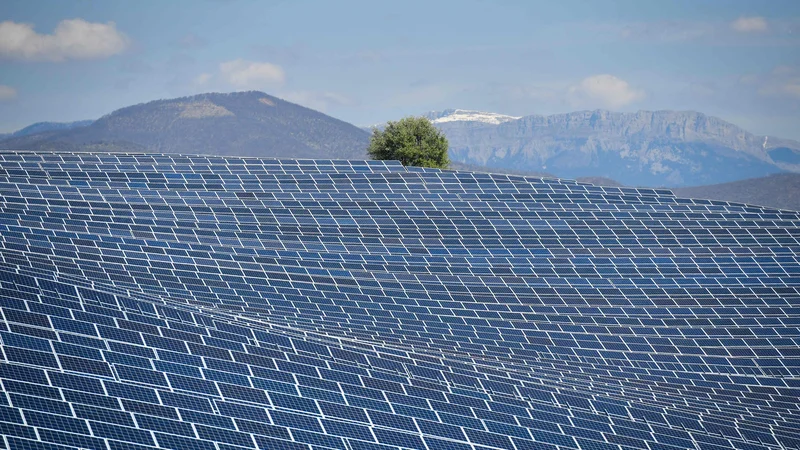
366	62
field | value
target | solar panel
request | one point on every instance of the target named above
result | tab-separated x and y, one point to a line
179	301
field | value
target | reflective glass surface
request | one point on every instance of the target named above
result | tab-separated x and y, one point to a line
200	302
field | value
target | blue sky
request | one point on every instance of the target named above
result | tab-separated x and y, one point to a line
367	62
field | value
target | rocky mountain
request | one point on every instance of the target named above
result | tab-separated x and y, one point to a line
647	148
242	123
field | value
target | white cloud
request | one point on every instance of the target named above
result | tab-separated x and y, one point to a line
202	79
605	91
792	88
7	93
251	75
781	88
319	101
743	30
782	82
750	24
72	39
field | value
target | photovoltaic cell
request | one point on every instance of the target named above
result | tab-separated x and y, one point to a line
180	301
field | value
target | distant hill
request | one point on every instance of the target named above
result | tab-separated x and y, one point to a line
780	191
242	123
42	127
660	148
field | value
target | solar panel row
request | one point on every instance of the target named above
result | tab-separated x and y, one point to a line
169	301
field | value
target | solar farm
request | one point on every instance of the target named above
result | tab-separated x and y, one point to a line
155	301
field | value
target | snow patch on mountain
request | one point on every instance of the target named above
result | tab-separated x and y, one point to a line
464	115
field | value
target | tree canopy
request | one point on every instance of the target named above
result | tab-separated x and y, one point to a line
413	141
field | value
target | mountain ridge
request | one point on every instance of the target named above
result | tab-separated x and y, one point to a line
248	123
42	127
645	148
657	148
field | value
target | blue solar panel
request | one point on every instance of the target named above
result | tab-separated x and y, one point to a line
173	301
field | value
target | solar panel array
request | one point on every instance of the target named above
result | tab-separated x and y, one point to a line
192	302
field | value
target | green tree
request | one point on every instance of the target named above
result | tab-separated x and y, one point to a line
413	141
